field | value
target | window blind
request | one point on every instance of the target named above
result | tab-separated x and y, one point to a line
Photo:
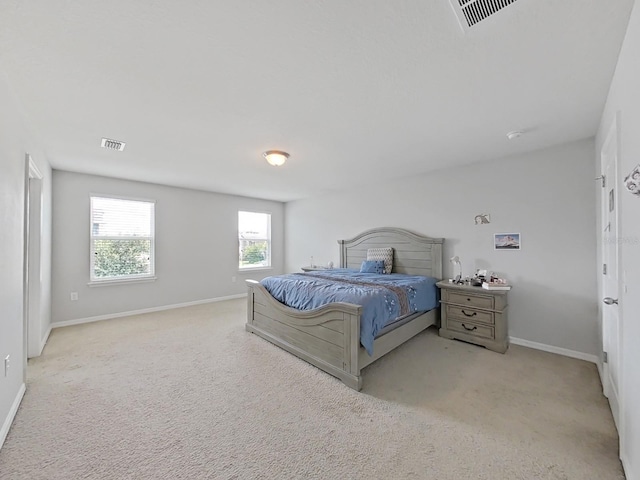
122	238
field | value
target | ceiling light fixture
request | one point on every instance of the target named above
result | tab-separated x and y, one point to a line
276	157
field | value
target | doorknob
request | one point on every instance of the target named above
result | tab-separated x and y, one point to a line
610	301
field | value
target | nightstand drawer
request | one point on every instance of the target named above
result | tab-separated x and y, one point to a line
470	314
471	328
471	299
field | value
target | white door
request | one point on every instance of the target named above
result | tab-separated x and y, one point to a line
610	274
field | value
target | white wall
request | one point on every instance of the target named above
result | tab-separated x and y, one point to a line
547	196
15	142
196	247
624	97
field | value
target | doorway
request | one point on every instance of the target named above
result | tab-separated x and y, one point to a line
32	260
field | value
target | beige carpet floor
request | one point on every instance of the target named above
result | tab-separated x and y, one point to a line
188	394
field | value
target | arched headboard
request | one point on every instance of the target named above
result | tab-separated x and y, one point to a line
413	254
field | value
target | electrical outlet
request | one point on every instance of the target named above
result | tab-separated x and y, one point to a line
74	296
7	361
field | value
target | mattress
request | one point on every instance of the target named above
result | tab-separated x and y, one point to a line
384	298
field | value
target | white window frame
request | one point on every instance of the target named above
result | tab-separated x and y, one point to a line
268	240
146	277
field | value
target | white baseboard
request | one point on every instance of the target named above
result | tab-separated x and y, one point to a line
560	351
78	321
600	372
628	473
44	340
6	426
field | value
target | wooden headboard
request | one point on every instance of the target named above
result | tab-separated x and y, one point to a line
413	254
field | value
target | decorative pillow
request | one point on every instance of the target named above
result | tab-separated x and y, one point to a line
385	254
372	266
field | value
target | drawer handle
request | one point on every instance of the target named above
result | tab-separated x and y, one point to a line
469	329
469	314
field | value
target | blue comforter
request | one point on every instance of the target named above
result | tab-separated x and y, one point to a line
384	298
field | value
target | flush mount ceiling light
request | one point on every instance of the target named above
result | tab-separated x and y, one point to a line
276	157
112	144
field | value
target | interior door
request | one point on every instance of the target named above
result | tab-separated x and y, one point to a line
610	273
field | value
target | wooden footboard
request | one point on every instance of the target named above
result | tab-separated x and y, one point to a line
327	337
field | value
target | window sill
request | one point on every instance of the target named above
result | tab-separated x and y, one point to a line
121	281
254	269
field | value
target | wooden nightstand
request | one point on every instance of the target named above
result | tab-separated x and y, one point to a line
474	315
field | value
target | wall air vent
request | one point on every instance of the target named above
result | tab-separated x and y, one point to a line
470	12
112	144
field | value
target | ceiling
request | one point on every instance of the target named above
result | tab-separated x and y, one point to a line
356	91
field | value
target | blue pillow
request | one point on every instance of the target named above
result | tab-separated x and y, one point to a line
372	266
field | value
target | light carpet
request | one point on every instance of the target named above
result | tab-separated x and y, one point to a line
189	394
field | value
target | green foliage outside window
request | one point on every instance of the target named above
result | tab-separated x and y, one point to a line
116	258
254	254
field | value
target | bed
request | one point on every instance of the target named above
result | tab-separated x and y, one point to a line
329	336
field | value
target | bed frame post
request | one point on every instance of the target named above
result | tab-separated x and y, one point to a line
342	254
250	310
351	351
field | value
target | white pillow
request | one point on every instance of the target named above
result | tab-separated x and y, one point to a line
385	254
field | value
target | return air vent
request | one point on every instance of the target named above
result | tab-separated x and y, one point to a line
112	144
470	12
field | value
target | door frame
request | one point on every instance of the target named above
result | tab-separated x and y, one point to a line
32	268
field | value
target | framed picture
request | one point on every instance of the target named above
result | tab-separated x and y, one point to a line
506	241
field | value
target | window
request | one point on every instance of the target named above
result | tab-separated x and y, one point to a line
254	239
122	239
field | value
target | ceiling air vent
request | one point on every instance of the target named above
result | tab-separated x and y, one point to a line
112	144
470	12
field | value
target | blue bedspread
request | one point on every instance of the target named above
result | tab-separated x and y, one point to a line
384	298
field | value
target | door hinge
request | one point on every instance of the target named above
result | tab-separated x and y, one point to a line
605	357
604	268
603	178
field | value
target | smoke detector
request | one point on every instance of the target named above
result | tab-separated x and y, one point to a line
515	134
470	12
112	144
